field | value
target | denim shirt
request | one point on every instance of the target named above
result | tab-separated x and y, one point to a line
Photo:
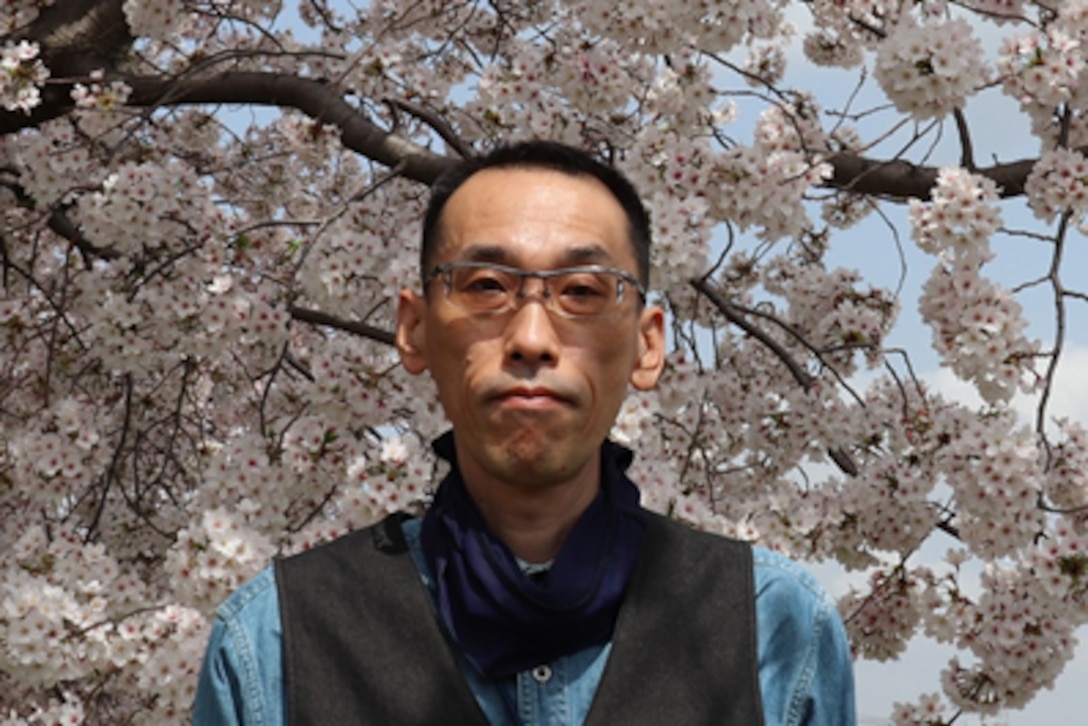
805	668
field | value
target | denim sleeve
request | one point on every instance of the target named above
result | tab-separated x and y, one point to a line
241	681
805	668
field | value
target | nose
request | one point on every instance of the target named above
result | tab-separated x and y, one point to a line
530	336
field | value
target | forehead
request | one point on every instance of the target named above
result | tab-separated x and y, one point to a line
535	218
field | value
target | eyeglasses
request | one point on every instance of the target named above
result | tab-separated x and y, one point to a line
484	288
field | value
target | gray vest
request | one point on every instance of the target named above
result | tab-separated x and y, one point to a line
362	643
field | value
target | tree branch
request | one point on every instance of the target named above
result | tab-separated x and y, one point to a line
437	123
319	100
841	458
81	36
316	317
900	179
75	37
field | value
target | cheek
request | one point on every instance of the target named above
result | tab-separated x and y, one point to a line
461	368
472	364
608	366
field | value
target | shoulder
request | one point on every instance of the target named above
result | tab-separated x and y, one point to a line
789	600
663	529
258	598
806	669
783	587
241	681
254	598
342	546
778	576
249	620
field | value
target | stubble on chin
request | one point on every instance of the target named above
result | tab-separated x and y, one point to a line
530	459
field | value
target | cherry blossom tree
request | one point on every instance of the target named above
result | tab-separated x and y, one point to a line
207	207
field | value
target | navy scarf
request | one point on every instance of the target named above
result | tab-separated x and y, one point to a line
505	621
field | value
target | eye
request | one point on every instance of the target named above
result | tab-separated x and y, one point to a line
583	286
483	282
483	286
584	293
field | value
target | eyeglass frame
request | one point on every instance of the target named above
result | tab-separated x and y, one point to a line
446	269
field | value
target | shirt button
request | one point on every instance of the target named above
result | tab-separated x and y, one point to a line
542	674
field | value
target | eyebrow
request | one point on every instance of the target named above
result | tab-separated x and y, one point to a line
578	255
486	253
588	253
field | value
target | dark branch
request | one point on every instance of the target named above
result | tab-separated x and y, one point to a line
316	317
318	100
900	179
734	316
443	129
75	38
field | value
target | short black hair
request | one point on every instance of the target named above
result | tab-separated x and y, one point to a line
539	154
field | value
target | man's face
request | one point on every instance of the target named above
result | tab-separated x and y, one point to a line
531	394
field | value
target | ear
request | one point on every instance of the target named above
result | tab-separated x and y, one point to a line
410	337
651	349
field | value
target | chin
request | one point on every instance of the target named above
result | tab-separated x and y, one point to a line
535	464
528	457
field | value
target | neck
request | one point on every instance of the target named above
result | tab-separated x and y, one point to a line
533	521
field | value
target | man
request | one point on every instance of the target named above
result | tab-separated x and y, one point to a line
534	590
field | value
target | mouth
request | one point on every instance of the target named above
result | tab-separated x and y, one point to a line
531	398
